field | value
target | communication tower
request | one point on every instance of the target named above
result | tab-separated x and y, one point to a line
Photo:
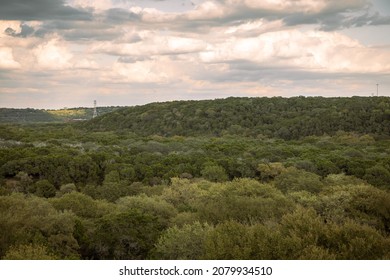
94	110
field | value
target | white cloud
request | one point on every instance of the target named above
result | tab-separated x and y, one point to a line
44	54
5	24
310	50
7	60
155	16
139	72
86	63
292	6
282	5
253	28
151	43
53	54
150	71
96	4
208	10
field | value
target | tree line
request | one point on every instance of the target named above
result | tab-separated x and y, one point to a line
276	117
11	115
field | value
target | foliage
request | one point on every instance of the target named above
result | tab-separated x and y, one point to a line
288	119
298	180
61	115
34	220
214	173
185	243
44	188
125	235
240	178
29	252
82	205
154	206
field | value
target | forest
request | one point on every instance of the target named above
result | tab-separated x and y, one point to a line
11	115
235	178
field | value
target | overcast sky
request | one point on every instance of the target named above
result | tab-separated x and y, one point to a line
67	53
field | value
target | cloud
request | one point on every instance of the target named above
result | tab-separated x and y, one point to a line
80	30
311	51
25	31
7	60
118	15
337	20
214	48
132	59
252	28
52	55
33	55
366	19
147	71
40	10
150	43
208	10
94	4
328	14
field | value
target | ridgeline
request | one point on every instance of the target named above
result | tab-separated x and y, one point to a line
10	115
286	118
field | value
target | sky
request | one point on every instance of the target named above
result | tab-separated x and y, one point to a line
67	53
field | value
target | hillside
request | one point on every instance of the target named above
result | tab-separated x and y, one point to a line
25	116
69	192
41	116
286	118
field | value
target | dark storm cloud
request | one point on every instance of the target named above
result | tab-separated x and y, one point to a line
366	19
79	30
24	32
118	15
92	35
337	15
337	21
71	23
40	10
133	59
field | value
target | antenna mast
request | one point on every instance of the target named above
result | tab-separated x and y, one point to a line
377	89
94	110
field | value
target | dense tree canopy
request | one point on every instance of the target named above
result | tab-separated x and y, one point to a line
47	116
241	178
291	118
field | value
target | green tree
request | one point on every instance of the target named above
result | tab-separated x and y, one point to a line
352	241
243	200
155	206
378	176
29	252
82	205
269	171
67	188
44	188
34	220
125	235
214	173
229	241
25	181
298	180
185	243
